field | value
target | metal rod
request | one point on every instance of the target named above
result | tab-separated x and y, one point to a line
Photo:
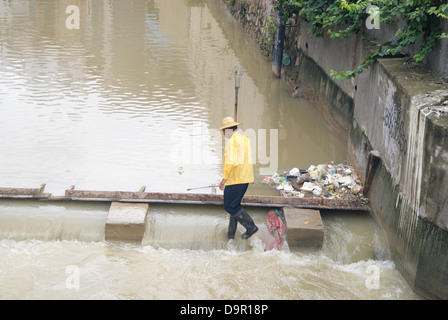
211	186
238	76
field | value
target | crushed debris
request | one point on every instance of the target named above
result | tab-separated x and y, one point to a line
433	102
330	181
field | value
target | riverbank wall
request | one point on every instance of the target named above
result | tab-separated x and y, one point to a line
395	118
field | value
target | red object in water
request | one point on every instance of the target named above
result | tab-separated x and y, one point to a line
276	227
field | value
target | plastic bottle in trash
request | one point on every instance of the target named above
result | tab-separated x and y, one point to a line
315	175
357	189
317	191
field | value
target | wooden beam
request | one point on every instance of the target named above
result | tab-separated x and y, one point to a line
212	199
182	198
24	193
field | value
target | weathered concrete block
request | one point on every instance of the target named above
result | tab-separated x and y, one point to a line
126	222
304	227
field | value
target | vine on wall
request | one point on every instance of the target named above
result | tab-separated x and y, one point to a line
342	18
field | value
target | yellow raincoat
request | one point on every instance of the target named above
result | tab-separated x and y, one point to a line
238	160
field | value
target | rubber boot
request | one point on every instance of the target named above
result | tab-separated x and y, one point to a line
244	218
232	228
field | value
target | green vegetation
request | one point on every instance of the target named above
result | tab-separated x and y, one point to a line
342	18
268	37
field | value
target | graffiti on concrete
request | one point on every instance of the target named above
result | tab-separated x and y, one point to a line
395	126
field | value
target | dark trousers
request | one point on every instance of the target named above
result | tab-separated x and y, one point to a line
233	195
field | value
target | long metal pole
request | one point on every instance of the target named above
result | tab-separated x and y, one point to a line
238	77
235	113
211	186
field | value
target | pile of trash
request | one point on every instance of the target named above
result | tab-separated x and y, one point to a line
324	180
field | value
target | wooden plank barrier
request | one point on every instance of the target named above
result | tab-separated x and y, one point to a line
182	198
24	193
126	219
213	199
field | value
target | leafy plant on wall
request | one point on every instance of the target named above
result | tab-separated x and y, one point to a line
342	18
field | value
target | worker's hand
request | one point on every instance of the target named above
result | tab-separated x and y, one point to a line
222	184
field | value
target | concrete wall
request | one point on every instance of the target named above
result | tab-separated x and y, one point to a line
408	191
397	110
436	61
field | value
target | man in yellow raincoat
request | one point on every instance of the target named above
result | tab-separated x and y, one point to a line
238	173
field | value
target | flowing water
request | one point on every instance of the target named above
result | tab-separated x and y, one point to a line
131	97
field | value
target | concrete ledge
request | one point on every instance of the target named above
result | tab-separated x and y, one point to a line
126	222
304	227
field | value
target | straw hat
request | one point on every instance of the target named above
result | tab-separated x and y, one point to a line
228	122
